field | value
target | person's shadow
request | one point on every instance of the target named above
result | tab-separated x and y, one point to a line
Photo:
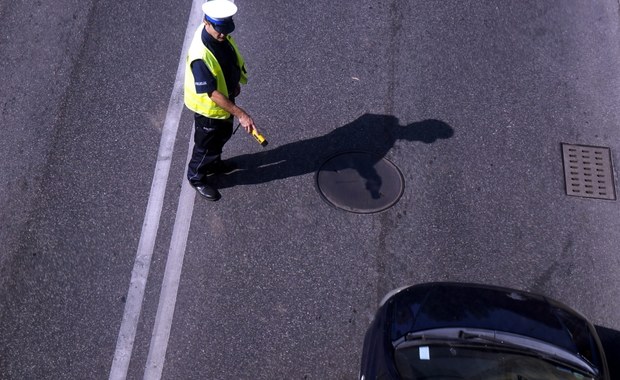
369	133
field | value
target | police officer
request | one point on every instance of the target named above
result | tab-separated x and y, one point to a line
213	72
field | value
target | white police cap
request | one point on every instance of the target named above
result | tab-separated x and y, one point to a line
219	10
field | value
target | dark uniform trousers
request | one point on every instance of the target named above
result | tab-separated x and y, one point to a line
210	135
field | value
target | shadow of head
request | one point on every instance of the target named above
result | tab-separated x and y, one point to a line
427	131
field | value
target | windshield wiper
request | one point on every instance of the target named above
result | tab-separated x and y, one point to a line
584	370
454	336
467	335
413	336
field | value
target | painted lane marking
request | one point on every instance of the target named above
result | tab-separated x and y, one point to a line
139	274
172	277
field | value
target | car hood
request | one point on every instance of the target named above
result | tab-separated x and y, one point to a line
448	305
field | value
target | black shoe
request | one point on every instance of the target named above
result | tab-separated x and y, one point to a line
207	191
222	167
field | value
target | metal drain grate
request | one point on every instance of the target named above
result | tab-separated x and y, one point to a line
588	171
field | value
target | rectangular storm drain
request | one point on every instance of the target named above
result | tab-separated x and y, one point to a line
588	171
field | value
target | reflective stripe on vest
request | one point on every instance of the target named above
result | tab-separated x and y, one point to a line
201	103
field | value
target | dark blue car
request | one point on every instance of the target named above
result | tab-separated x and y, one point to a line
475	332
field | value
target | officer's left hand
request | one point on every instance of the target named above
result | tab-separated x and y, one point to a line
247	123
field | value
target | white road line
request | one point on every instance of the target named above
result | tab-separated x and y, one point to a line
139	274
170	284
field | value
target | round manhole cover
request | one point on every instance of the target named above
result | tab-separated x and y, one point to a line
360	182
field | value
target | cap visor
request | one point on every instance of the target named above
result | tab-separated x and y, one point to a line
225	28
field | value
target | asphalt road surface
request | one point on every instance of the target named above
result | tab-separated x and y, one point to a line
111	267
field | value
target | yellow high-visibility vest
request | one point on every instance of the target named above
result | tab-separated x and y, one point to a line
201	103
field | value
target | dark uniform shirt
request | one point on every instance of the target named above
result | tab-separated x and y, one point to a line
226	57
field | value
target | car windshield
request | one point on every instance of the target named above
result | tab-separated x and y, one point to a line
477	362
